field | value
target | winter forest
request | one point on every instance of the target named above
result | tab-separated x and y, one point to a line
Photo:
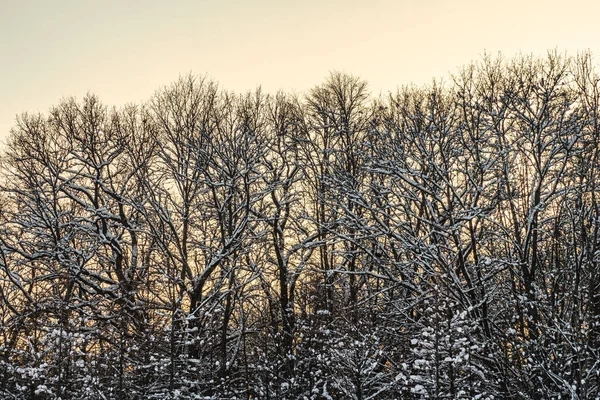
437	242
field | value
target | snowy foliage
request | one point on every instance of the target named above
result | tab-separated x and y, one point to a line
437	243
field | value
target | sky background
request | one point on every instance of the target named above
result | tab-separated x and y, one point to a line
124	50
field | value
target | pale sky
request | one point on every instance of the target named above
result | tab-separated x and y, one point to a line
124	50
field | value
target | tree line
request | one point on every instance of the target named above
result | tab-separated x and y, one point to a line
440	242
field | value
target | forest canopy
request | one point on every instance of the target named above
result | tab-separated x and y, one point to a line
440	242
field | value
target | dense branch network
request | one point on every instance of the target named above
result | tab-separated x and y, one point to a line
440	242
